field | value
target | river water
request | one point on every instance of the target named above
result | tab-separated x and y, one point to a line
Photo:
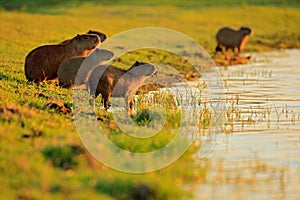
259	155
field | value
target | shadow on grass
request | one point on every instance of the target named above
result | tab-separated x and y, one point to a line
127	189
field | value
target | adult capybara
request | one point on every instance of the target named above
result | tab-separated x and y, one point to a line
102	80
43	62
67	71
232	39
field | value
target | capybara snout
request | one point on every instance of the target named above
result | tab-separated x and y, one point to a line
246	30
91	39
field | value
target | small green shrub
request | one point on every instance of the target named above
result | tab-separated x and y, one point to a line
143	117
63	157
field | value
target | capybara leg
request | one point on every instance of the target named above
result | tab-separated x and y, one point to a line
130	111
130	106
105	99
105	103
237	53
39	76
219	48
92	100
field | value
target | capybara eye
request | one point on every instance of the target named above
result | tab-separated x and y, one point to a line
86	38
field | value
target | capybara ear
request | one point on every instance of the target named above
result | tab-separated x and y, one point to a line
137	63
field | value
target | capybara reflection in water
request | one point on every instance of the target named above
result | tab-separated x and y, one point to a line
232	39
102	80
43	62
67	71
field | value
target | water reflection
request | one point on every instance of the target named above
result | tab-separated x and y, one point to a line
259	157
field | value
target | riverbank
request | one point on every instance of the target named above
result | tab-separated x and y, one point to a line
41	147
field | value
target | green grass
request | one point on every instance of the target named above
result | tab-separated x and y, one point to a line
38	158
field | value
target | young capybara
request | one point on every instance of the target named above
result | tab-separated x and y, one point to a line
128	81
232	39
43	62
68	70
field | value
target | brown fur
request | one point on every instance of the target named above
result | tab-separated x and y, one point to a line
101	35
232	39
128	81
42	63
68	70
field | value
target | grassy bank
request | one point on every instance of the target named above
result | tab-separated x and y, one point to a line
41	155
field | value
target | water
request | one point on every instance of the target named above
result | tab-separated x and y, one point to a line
259	156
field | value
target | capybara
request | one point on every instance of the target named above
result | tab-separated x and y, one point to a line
67	71
232	39
102	80
42	62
